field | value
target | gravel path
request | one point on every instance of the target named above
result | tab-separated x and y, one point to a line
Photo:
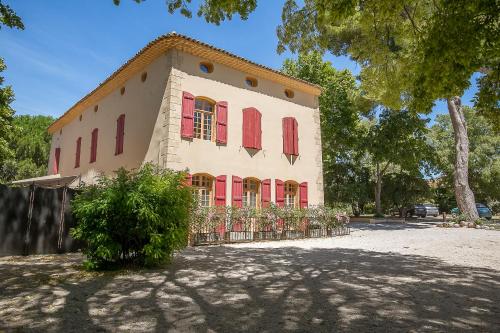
381	278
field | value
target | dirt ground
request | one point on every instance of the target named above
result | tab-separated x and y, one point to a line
381	278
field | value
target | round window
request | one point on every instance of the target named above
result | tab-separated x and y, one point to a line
289	93
206	67
251	82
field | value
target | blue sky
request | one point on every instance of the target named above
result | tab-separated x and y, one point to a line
69	47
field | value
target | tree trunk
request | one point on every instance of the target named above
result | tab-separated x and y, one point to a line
378	190
463	193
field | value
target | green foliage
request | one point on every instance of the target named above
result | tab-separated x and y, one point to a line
138	217
402	189
341	105
411	53
30	147
7	18
484	155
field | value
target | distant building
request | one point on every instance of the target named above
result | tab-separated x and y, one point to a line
247	134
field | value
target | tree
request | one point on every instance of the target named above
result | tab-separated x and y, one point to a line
397	142
9	19
341	105
30	146
402	189
484	156
412	53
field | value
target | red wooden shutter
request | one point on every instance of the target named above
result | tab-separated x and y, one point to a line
290	136
265	192
189	179
258	130
187	121
280	193
237	192
251	128
221	122
287	136
303	195
220	191
120	132
93	145
78	150
295	137
57	158
247	128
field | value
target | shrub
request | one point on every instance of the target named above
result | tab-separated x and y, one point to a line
138	217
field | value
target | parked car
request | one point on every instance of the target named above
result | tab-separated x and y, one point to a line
482	210
422	210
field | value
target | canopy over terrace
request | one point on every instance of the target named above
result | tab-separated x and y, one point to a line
51	181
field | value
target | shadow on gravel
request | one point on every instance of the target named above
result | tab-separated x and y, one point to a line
387	226
224	289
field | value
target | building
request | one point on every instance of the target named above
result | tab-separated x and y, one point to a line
247	134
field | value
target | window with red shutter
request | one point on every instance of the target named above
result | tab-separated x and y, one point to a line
187	121
120	133
220	191
252	128
93	145
265	190
295	137
57	158
237	192
303	195
290	136
78	150
221	122
280	193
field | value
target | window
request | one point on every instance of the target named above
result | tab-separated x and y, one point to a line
206	67
250	192
144	76
96	108
78	149
80	118
122	91
202	187
252	133
120	132
290	194
289	93
93	146
57	159
290	136
203	119
251	82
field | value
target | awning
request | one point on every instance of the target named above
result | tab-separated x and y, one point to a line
51	181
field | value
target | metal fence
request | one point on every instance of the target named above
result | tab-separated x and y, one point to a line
225	231
35	220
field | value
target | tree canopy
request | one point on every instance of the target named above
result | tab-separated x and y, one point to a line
9	19
29	143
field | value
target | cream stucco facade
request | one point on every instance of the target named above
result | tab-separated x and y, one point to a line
153	107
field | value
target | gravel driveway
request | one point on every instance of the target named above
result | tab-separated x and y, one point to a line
381	278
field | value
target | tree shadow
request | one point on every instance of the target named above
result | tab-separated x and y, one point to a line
234	289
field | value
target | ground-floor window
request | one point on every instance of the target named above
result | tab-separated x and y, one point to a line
291	194
202	187
250	192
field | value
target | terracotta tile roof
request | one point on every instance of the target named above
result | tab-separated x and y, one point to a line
159	46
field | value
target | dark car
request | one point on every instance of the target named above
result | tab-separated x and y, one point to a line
482	210
422	210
